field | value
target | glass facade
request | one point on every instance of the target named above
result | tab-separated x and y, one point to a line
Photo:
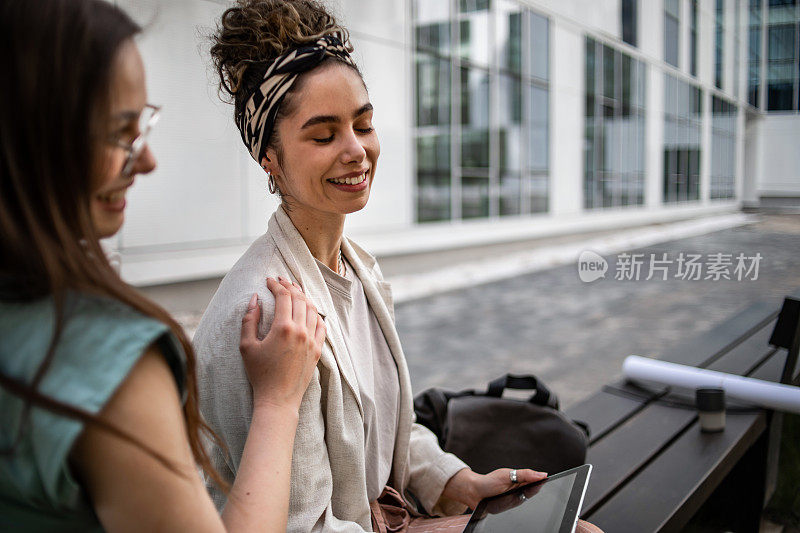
774	39
671	31
614	137
723	148
683	119
482	107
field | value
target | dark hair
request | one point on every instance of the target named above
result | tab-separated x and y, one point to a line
255	32
55	108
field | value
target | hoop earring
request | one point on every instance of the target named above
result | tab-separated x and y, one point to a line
271	185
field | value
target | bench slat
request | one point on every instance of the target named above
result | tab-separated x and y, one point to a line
602	411
615	459
665	495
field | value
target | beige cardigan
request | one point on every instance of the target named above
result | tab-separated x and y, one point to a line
328	490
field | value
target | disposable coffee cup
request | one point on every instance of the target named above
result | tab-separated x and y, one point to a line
711	409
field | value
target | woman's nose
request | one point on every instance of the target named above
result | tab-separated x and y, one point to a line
145	163
353	150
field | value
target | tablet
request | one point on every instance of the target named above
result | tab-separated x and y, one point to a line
548	506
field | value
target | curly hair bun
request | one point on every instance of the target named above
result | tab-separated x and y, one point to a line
254	32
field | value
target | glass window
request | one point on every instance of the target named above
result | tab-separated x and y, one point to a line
537	126
509	36
723	147
777	27
629	21
433	90
510	124
754	54
474	117
719	42
432	25
474	31
433	102
539	38
671	31
693	40
433	177
613	143
474	197
682	126
537	196
781	66
510	194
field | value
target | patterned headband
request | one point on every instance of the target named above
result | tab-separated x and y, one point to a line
257	120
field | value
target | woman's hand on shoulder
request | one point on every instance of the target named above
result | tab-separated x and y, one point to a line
281	365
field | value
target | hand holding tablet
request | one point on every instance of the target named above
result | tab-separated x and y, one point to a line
551	505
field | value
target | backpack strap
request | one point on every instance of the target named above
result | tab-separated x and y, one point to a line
543	396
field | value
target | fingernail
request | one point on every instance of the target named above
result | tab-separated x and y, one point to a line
253	302
282	279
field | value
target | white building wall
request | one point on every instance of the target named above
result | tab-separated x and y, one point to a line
780	174
207	200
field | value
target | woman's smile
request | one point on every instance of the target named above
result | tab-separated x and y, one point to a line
113	200
352	182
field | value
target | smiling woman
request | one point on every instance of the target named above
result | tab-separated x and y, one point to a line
305	116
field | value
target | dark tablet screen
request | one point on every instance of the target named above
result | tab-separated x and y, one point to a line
548	506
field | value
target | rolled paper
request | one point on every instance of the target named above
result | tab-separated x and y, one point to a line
756	391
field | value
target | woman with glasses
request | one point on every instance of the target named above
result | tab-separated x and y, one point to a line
99	421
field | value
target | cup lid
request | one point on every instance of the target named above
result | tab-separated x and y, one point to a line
710	399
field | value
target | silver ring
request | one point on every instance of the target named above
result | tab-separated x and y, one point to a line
522	497
513	476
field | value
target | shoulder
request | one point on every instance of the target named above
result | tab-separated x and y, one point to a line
100	342
218	333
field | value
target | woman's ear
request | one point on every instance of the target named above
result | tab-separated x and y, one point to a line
269	162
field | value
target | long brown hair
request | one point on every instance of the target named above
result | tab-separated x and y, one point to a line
54	109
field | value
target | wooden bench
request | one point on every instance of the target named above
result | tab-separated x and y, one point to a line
654	468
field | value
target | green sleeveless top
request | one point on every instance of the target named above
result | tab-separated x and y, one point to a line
100	342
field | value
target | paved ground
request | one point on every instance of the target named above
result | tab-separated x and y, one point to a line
574	335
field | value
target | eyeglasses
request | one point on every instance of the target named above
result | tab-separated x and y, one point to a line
147	119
